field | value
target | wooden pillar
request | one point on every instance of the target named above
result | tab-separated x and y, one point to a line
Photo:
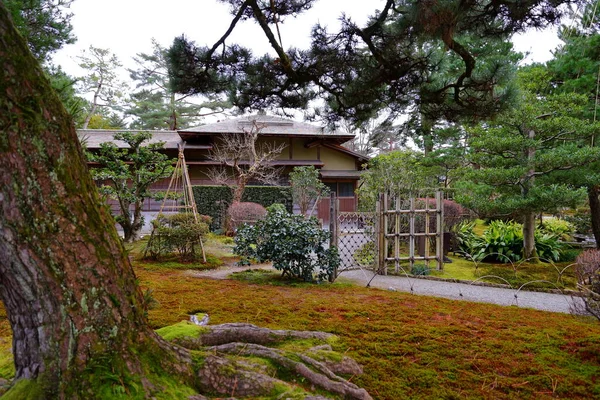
439	237
333	229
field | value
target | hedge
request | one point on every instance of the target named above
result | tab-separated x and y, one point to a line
214	200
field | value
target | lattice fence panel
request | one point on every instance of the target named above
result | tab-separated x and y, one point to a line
356	234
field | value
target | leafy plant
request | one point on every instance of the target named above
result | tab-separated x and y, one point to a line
179	233
295	245
559	227
466	237
420	270
503	242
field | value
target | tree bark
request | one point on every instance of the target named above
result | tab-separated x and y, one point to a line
594	200
529	251
77	315
69	290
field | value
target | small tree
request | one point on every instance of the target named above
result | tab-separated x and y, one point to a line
306	187
392	172
127	174
242	160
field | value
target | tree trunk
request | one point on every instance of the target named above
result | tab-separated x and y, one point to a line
77	315
69	291
529	251
594	200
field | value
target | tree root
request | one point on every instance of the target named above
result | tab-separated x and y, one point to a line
237	362
324	378
248	333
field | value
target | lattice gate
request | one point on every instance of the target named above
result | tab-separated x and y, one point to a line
402	231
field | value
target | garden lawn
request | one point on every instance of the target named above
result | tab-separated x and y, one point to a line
410	346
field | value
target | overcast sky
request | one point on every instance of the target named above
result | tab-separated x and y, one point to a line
126	27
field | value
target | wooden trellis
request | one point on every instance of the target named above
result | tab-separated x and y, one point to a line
398	219
179	196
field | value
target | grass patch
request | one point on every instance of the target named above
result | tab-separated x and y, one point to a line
410	346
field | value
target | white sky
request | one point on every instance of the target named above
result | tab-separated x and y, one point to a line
126	27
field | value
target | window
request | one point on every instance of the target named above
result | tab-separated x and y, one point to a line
342	189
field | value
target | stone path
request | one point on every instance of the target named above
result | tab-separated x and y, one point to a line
450	290
462	291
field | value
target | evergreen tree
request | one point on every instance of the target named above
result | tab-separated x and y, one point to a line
156	105
387	65
517	157
45	24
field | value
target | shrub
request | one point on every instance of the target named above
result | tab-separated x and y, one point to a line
558	227
420	270
588	275
453	214
178	233
294	244
245	212
215	200
503	242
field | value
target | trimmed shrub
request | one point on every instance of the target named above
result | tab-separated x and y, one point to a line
295	244
454	213
177	233
245	212
214	201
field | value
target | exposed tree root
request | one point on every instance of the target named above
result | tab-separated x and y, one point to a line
237	363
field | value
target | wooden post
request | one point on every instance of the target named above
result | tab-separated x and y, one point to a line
411	233
427	241
439	237
383	230
333	225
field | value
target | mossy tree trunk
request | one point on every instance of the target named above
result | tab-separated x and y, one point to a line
77	315
69	291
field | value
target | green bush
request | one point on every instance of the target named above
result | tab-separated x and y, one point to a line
294	244
558	227
420	270
503	242
466	238
215	200
177	233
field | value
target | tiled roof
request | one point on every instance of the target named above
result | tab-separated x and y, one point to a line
93	137
269	125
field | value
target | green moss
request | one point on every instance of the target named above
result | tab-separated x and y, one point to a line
24	389
7	366
180	330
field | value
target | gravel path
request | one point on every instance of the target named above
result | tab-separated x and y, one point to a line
450	290
462	291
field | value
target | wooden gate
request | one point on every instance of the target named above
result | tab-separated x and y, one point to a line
401	232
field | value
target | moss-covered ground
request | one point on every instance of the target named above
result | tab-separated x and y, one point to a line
410	346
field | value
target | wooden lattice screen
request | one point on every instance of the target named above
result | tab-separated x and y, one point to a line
404	223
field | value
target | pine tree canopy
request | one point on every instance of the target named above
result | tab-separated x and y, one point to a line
389	65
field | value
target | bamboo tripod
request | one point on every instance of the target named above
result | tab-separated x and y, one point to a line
180	189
